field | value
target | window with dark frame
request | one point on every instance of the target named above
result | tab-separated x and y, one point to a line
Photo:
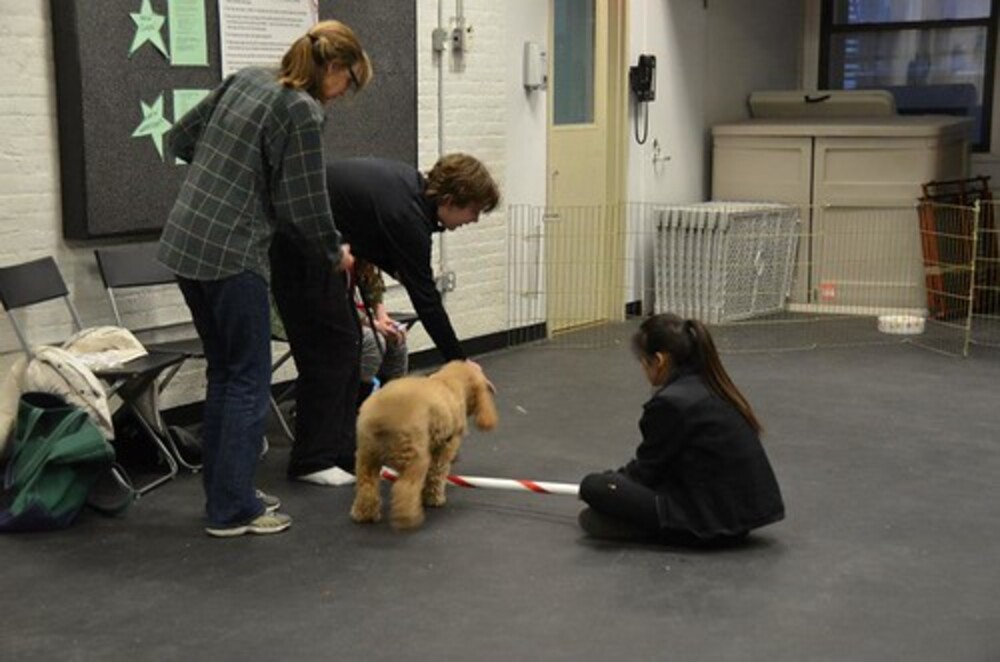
934	56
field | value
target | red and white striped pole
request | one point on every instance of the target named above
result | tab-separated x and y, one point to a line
536	486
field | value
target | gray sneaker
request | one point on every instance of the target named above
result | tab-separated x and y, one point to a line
271	502
263	525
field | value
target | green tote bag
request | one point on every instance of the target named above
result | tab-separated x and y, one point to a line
58	455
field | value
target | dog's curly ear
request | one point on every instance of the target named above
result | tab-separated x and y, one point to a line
484	408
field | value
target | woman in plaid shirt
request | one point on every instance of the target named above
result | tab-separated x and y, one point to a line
255	151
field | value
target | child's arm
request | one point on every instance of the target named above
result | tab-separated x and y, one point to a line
388	327
662	429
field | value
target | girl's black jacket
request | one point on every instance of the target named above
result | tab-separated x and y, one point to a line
705	462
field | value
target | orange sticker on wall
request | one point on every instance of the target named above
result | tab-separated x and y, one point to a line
827	292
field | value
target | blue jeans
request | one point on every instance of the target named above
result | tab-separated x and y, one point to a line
232	317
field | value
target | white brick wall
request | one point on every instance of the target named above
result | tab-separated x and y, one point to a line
475	122
30	216
30	204
29	165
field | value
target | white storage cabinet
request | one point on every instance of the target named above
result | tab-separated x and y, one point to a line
850	177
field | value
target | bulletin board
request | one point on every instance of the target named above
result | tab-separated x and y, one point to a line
120	86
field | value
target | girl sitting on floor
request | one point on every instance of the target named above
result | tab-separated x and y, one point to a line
700	475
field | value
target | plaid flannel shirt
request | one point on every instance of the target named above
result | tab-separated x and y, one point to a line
256	161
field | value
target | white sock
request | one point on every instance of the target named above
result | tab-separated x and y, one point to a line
332	477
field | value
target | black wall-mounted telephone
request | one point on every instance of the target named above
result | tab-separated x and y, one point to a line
642	78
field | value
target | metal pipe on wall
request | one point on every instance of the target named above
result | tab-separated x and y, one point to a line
442	253
441	38
459	19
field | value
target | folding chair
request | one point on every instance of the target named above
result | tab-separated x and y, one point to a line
134	266
278	335
407	319
35	282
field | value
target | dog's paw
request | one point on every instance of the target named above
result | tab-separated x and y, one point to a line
362	515
401	523
434	499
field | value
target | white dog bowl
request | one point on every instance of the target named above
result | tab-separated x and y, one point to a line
902	325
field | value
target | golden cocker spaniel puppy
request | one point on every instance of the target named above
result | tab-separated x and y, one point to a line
415	425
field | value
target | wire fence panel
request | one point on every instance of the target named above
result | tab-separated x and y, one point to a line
570	269
865	274
986	305
724	262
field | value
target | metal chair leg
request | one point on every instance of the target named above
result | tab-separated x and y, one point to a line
161	447
176	452
281	420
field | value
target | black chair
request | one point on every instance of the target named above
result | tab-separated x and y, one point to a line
407	319
38	281
284	395
135	266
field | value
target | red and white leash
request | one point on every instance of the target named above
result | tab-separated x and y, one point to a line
536	486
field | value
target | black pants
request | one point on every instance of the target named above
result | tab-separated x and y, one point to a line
622	509
323	331
616	497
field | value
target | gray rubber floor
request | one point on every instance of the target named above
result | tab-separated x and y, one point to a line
889	458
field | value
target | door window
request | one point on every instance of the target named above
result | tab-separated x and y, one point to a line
573	65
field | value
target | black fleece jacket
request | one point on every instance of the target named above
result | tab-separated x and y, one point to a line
704	461
380	209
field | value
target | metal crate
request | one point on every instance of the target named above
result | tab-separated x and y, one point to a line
724	261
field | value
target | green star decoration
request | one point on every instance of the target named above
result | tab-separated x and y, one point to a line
153	123
147	28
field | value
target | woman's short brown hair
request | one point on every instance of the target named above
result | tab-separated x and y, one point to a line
465	180
329	42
